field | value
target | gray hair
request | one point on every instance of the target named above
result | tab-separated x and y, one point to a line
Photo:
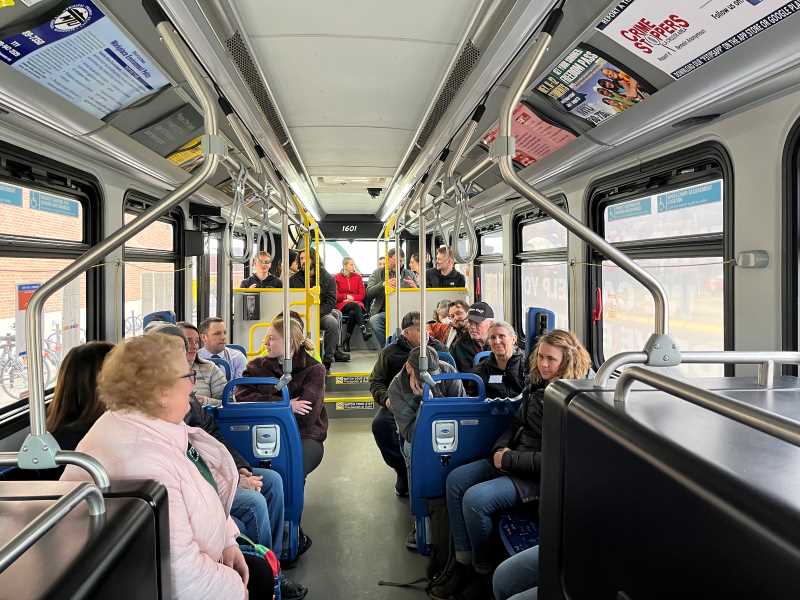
504	324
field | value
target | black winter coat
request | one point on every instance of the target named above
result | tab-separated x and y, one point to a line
327	292
503	383
390	361
464	349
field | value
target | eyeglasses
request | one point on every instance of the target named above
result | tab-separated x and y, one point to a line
190	376
264	263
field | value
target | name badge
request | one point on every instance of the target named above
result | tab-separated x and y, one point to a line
495	379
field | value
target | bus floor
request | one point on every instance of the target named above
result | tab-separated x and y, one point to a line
356	522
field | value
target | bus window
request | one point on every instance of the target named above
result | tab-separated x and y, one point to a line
363	252
675	231
489	288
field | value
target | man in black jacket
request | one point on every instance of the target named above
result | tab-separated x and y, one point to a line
445	274
261	277
390	362
473	338
329	317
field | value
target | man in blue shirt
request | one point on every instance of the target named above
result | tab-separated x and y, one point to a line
214	336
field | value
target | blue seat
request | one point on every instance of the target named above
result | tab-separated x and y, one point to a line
266	434
241	349
167	316
450	432
222	364
480	356
447	357
518	530
539	321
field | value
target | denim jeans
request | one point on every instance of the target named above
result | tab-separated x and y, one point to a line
259	515
378	324
475	492
517	577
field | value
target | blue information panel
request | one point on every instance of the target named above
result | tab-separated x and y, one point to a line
54	204
81	55
626	210
10	194
706	193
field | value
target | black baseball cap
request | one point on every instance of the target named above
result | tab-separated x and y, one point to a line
480	311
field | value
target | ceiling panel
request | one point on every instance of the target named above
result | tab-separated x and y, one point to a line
349	203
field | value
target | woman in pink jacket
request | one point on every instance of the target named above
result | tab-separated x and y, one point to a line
350	294
145	385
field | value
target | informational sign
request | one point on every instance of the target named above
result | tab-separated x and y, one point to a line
626	210
351	379
535	138
706	193
680	36
368	405
54	204
172	132
25	292
82	56
592	87
188	155
10	194
351	230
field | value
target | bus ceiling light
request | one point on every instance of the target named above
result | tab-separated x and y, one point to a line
661	349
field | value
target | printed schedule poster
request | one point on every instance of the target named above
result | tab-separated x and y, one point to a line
680	36
81	55
592	87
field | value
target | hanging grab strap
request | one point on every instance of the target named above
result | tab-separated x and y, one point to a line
238	206
463	223
265	234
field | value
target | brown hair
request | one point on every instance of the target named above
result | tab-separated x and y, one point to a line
575	362
75	399
136	372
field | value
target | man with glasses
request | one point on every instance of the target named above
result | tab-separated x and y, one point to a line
473	339
261	277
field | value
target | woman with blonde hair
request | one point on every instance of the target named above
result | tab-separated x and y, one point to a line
477	490
145	385
350	293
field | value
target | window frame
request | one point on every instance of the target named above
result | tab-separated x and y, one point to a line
699	164
790	247
136	202
20	167
523	217
490	225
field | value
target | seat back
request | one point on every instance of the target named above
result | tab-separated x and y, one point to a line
222	364
447	357
238	347
480	356
451	432
539	321
167	316
266	434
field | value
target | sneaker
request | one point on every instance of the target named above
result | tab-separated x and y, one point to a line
291	590
459	578
340	356
411	538
303	544
401	486
327	362
365	332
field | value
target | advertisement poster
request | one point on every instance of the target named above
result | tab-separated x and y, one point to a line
535	137
82	56
24	293
680	36
592	87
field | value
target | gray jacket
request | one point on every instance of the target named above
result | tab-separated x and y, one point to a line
404	404
376	295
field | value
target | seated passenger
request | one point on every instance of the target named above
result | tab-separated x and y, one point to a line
457	311
306	389
213	335
261	277
210	380
414	266
445	274
478	490
517	578
472	338
390	362
350	295
439	327
503	371
145	385
376	292
329	319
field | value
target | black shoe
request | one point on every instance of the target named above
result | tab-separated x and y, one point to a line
327	363
291	590
411	538
346	345
365	332
303	544
458	579
401	486
340	356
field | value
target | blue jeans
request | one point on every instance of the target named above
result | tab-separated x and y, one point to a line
378	324
259	515
517	577
475	492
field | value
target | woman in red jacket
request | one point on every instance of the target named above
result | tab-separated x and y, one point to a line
350	294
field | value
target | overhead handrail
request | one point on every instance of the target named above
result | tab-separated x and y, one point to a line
660	347
238	206
43	523
772	424
40	449
765	359
463	223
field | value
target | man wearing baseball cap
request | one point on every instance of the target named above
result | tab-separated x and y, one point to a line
464	348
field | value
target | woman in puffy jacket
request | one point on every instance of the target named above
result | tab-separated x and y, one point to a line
145	383
350	294
503	371
477	490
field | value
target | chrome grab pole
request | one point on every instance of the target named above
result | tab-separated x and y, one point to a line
765	359
40	444
660	348
286	377
402	212
43	523
772	424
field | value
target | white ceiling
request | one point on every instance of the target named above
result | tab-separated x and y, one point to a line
353	78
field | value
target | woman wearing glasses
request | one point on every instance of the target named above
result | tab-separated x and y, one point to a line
210	378
145	385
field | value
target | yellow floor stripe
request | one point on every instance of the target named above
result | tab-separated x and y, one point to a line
336	399
349	374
